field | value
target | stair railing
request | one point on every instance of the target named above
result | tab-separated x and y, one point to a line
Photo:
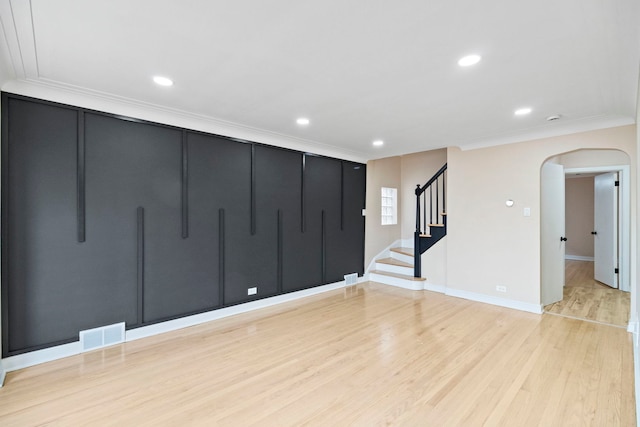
428	233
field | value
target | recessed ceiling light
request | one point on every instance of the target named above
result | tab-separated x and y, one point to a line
303	121
469	60
163	81
378	142
522	111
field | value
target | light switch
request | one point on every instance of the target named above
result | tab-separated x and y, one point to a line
527	211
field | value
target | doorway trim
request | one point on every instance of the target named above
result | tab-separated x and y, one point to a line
624	217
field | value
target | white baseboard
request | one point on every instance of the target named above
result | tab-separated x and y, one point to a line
488	299
434	287
25	360
196	319
579	258
2	374
58	352
636	371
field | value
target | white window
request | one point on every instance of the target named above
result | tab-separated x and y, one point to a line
389	202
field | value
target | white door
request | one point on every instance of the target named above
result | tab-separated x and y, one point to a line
552	233
605	246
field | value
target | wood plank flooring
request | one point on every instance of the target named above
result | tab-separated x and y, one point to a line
361	356
586	298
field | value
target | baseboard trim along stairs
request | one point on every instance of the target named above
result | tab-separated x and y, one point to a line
394	267
397	270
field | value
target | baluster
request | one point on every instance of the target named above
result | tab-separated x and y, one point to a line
430	205
424	213
437	200
417	208
420	244
444	191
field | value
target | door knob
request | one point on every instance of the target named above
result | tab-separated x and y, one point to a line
594	232
563	239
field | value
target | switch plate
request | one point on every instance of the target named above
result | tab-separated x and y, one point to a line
527	212
252	291
501	288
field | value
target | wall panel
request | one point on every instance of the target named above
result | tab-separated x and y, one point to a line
222	181
323	198
133	165
55	285
346	248
109	219
279	189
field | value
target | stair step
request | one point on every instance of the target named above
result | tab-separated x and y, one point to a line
425	235
436	225
393	261
398	276
403	251
443	213
400	280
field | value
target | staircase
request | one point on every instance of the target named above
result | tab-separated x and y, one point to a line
403	267
429	233
397	270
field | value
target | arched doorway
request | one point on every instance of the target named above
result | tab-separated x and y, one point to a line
587	165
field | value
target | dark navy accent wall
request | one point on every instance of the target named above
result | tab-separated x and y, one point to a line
347	246
108	219
131	165
282	169
322	212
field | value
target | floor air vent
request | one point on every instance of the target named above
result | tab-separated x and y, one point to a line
351	279
104	336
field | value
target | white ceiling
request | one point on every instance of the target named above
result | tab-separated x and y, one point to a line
358	69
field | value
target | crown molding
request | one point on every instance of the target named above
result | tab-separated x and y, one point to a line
557	129
100	101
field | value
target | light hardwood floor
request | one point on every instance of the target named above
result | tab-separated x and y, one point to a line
586	298
365	356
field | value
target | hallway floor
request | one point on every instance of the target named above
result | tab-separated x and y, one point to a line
586	298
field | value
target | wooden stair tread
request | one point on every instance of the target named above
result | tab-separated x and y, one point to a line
425	235
403	251
436	225
398	276
393	261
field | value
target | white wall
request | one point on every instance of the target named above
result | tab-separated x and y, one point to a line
404	173
380	173
635	302
416	169
635	316
434	264
590	158
489	244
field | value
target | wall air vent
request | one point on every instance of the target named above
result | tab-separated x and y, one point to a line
104	336
351	279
